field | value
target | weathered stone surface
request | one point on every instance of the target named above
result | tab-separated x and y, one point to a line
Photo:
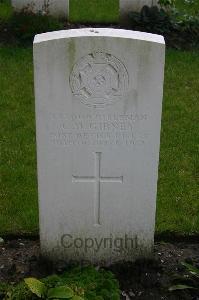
98	113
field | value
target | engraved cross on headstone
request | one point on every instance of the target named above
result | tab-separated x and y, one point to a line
97	179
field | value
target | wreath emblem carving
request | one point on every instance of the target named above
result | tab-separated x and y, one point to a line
99	79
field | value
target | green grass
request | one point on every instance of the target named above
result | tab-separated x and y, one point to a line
6	11
18	204
178	193
107	11
94	11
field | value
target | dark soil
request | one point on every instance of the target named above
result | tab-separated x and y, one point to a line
144	280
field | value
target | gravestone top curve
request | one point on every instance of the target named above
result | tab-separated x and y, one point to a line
100	32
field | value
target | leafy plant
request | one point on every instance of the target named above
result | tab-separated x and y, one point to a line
193	272
151	19
36	287
25	25
178	287
180	29
187	23
166	2
41	290
3	289
76	284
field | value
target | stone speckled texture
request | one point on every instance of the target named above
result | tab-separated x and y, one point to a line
98	113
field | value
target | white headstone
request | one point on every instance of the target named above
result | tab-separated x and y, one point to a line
98	113
56	8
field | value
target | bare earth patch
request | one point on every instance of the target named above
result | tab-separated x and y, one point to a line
149	279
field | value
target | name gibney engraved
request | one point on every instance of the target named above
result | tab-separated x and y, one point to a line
95	129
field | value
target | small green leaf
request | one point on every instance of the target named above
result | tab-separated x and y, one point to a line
193	270
37	287
77	298
61	292
180	287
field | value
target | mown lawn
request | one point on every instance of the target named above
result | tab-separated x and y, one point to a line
18	204
178	188
107	11
178	193
94	11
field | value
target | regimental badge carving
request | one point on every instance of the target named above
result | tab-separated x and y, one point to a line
99	79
